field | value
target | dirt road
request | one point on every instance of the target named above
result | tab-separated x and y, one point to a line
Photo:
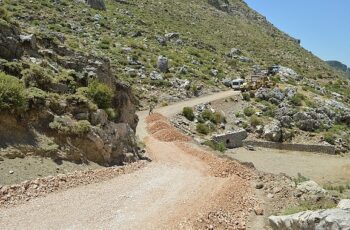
323	168
182	188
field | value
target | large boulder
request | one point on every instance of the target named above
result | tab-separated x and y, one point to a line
154	75
110	144
10	43
234	52
163	64
275	95
97	4
181	83
306	121
273	131
290	92
287	72
329	219
310	188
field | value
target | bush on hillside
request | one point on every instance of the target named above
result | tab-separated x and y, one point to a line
218	118
207	115
329	138
255	121
38	77
188	113
248	111
297	99
246	96
12	94
203	128
67	126
100	93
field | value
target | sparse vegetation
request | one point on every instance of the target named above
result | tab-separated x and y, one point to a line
297	99
65	125
38	77
299	179
221	147
310	205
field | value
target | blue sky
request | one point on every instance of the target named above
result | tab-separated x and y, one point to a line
322	25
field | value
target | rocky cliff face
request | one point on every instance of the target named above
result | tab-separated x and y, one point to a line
75	108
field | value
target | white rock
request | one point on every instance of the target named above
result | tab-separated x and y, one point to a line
344	204
310	187
330	219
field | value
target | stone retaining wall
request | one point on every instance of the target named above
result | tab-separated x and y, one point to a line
328	149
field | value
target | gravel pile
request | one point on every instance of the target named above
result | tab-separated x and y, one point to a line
17	193
163	131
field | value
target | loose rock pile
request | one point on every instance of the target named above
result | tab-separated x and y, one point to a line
14	194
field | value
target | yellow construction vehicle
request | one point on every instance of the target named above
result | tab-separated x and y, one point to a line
257	81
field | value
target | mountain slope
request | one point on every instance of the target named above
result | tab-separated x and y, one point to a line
205	31
340	66
68	59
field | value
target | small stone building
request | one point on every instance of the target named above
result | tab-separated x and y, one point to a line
231	139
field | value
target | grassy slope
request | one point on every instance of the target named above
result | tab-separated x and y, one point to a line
207	33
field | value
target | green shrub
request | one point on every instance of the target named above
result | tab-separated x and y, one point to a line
194	89
246	96
113	114
100	93
299	179
329	138
203	128
297	99
248	111
218	118
255	121
12	96
38	77
65	125
4	14
13	68
217	146
188	113
207	115
310	205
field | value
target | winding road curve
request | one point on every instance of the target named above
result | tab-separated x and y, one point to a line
162	195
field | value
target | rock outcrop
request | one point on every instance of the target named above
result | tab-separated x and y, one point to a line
273	131
330	219
10	42
70	126
97	4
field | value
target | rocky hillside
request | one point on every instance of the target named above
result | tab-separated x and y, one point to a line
182	48
340	66
63	61
61	103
